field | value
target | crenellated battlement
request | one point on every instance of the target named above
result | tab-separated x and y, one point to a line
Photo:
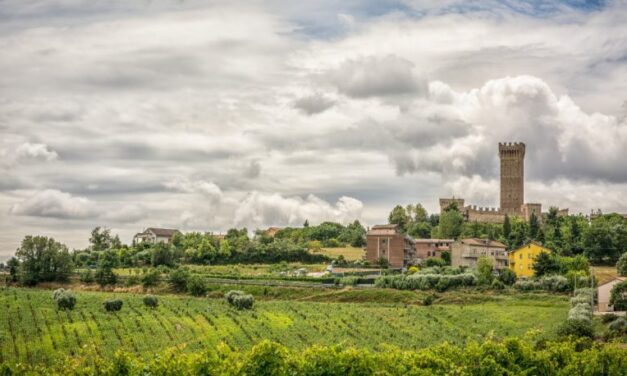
512	149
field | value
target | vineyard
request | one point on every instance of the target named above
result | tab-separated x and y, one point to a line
32	330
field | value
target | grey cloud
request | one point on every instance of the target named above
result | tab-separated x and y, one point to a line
314	103
253	170
55	204
376	76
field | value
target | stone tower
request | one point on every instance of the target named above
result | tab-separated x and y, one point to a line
512	157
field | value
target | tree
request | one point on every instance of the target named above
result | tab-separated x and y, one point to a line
100	239
545	264
507	227
450	226
606	239
306	224
161	255
621	265
534	226
43	259
618	296
507	276
398	216
421	230
178	278
420	213
484	270
13	265
104	271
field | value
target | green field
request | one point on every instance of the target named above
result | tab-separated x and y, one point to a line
34	332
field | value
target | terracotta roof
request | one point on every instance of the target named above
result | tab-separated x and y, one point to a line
434	240
483	242
162	231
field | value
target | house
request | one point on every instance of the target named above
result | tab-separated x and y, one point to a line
153	235
466	252
604	292
387	242
521	259
432	248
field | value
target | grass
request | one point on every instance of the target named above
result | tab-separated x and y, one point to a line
349	253
604	273
33	331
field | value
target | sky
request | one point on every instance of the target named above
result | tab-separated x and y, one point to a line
207	115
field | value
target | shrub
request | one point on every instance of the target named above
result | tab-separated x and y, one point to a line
435	262
112	305
349	281
618	327
87	277
65	299
151	301
608	317
428	300
412	270
196	286
577	328
178	279
618	296
151	278
239	300
621	265
497	285
421	281
131	280
507	276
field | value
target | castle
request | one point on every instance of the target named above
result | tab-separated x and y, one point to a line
512	192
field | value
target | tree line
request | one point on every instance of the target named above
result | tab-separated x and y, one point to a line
602	240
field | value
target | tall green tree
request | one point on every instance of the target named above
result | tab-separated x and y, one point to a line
545	264
507	227
450	226
606	239
100	239
43	259
398	216
534	226
104	272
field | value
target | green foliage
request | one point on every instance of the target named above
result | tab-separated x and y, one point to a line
178	278
112	305
349	281
618	296
576	328
150	301
497	285
545	264
239	299
606	239
398	216
618	327
100	239
161	255
196	285
553	283
65	299
42	259
507	276
621	265
87	277
511	356
104	273
446	256
428	300
435	262
485	266
151	278
450	226
440	282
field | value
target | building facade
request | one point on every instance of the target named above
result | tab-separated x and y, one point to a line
521	259
432	248
153	235
388	243
466	252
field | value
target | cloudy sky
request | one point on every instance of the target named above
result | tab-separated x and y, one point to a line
204	115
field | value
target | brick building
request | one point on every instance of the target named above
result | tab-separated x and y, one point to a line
466	252
432	248
387	242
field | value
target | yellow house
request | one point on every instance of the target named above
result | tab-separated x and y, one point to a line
521	260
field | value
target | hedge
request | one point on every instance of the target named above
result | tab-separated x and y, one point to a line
511	356
440	282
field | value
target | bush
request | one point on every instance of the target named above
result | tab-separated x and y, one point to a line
618	296
131	280
87	277
412	270
507	276
428	300
112	305
349	281
441	282
618	327
239	300
554	283
65	299
151	301
178	279
497	285
435	262
196	286
577	328
608	317
621	265
151	278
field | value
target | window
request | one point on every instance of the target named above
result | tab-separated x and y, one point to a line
383	241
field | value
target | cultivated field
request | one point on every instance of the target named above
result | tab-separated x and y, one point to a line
349	253
33	331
